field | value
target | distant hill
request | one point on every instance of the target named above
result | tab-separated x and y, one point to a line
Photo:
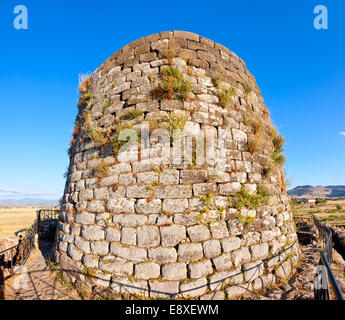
317	192
27	202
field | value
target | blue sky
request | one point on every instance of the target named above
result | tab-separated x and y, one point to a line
300	70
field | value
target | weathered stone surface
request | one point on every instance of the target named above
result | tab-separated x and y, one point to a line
85	218
252	270
172	235
174	271
145	207
124	285
74	253
211	248
120	205
198	233
129	236
236	292
92	233
163	289
148	236
175	205
193	289
240	256
119	267
229	188
90	261
219	230
146	270
200	269
129	253
112	234
230	244
169	177
223	262
193	176
162	255
100	247
259	251
82	245
189	252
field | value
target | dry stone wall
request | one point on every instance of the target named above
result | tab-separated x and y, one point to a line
152	228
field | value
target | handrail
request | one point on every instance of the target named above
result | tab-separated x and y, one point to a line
18	254
326	259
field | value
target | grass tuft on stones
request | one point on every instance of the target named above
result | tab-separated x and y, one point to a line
243	199
173	85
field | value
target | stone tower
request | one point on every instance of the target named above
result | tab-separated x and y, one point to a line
175	187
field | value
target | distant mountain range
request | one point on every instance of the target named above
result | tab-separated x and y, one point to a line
317	192
27	202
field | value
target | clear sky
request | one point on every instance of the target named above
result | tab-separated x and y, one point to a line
300	70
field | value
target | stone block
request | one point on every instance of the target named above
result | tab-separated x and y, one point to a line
169	177
146	270
211	248
219	230
92	233
148	236
129	253
162	255
121	205
198	233
112	234
100	247
192	289
174	271
200	269
259	251
231	244
252	270
241	256
175	205
128	236
172	235
143	206
85	218
229	188
189	251
223	262
163	289
193	176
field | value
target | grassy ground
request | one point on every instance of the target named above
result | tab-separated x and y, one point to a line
332	211
12	220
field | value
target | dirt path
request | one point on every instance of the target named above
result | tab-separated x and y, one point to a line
35	281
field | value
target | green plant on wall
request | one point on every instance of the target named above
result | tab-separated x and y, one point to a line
277	156
243	199
173	85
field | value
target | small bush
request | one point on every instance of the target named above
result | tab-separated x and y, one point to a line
130	115
173	85
278	142
84	83
225	97
97	136
243	199
170	52
116	143
174	123
102	170
247	89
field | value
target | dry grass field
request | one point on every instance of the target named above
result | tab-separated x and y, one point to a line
332	211
15	219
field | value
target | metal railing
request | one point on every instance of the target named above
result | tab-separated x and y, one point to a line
323	293
18	254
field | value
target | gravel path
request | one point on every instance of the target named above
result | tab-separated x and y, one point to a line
35	281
